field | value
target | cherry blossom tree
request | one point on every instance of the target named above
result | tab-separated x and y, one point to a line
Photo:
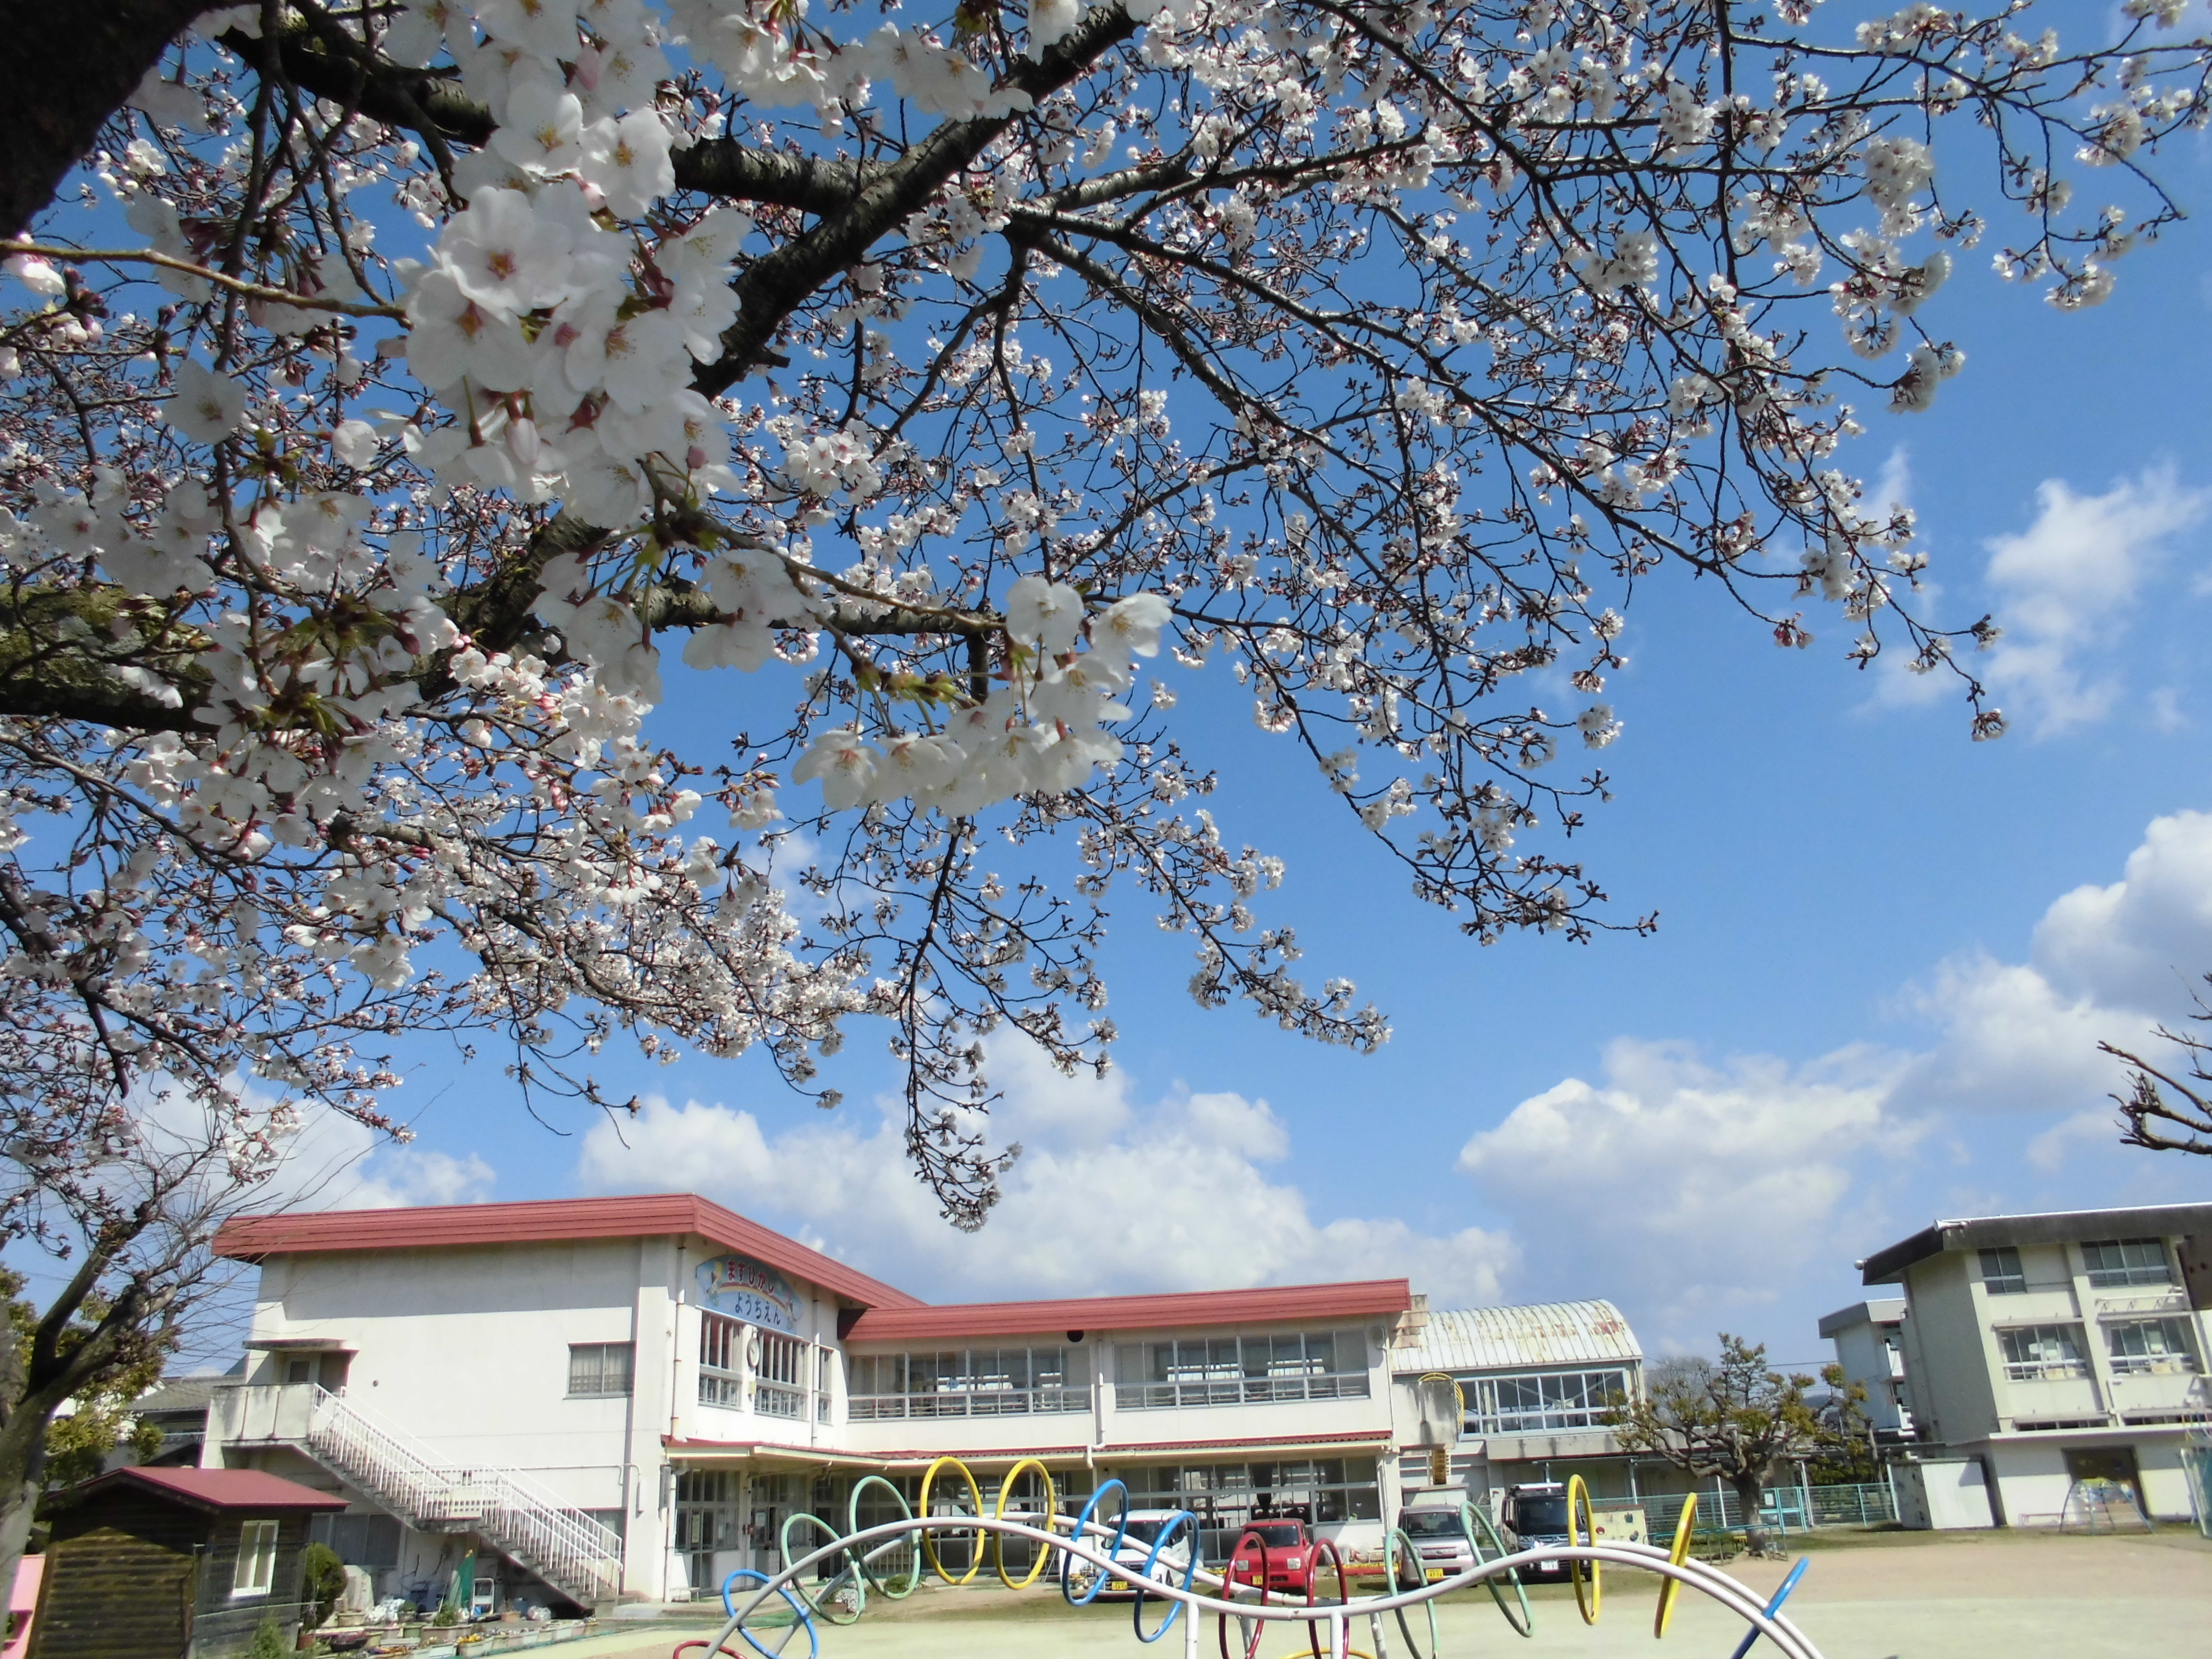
393	384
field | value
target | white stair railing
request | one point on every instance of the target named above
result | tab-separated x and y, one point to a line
510	1511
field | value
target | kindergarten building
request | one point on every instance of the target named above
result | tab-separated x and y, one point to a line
587	1401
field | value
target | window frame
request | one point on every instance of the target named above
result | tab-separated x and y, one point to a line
257	1548
1996	1279
721	1360
2024	1366
2123	1273
600	1390
1553	1412
1255	1369
1000	1382
2175	1357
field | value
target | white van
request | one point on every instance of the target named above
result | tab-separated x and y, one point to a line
1438	1530
1143	1531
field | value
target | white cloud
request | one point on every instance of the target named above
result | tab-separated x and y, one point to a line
332	1163
2090	1130
2105	963
1110	1195
2066	586
1693	1188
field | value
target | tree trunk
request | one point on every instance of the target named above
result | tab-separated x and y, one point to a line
67	69
1750	1493
22	1473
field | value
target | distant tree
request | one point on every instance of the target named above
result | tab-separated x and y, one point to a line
100	1419
2149	1116
1735	1420
124	1202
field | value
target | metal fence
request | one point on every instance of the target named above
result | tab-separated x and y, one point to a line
1786	1509
2196	1466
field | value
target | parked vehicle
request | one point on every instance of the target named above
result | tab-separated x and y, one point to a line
1143	1531
1436	1522
1536	1515
1276	1552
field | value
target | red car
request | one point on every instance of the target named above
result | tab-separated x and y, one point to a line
1276	1554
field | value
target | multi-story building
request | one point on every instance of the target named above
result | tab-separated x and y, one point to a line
1537	1383
1869	1339
2058	1348
599	1398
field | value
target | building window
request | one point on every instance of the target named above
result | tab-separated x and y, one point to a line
2001	1272
2150	1346
2043	1353
1227	1495
1240	1370
257	1559
721	1349
2127	1261
1545	1400
598	1368
824	1367
779	1362
964	1382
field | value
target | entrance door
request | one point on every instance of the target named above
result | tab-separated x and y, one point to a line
2114	1464
706	1523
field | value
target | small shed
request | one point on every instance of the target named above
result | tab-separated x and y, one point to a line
172	1563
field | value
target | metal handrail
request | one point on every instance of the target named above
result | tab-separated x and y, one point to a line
512	1510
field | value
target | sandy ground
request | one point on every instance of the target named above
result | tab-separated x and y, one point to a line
1888	1597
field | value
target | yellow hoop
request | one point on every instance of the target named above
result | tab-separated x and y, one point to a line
1585	1574
1685	1529
1006	1491
1458	1392
928	1538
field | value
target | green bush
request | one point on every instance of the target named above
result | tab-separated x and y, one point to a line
268	1639
323	1580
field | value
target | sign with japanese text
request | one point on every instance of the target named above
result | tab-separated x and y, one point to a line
746	1289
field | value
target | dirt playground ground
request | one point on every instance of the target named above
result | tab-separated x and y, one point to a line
1989	1595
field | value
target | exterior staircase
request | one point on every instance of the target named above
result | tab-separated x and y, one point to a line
559	1543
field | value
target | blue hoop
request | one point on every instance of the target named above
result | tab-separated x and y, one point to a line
813	1641
1773	1607
1082	1521
1189	1577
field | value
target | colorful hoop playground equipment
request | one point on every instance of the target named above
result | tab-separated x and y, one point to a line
766	1613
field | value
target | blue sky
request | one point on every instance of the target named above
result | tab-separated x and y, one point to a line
1885	953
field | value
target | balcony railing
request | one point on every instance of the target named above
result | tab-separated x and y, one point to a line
721	1389
2047	1370
966	1403
770	1400
2154	1364
1239	1391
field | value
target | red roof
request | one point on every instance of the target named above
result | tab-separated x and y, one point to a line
222	1489
1243	1442
248	1238
913	1320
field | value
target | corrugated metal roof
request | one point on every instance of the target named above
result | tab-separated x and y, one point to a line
249	1238
1168	1311
1508	1339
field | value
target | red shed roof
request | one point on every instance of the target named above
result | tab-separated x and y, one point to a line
913	1321
248	1238
221	1489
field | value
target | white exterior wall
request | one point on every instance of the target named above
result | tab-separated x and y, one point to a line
466	1351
